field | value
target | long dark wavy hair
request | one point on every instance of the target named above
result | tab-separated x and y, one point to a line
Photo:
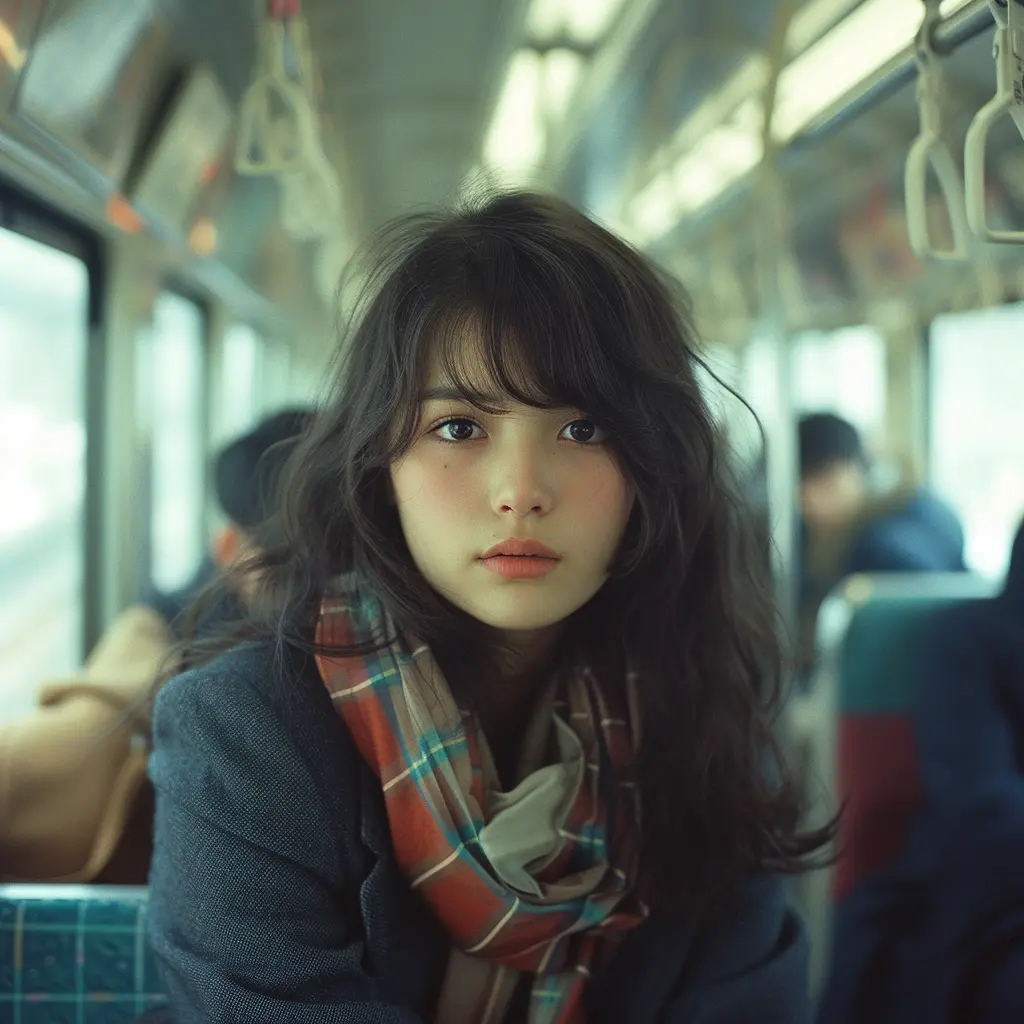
567	315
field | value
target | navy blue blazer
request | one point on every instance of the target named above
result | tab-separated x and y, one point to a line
939	936
275	895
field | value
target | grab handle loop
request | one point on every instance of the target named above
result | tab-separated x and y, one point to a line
278	130
1008	50
929	152
311	200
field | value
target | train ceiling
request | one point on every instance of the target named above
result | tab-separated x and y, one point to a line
646	112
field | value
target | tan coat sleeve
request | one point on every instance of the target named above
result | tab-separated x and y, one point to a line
70	770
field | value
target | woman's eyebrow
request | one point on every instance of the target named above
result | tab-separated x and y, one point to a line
451	394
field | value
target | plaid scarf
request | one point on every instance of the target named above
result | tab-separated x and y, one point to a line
441	797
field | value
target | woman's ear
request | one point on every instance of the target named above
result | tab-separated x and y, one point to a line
226	546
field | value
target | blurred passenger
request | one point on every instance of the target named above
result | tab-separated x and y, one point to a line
848	528
244	473
940	936
75	805
514	602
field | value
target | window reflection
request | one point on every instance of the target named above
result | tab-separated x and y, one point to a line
843	372
275	376
977	427
239	381
43	339
177	477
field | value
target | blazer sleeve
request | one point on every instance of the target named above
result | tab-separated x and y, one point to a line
248	887
750	968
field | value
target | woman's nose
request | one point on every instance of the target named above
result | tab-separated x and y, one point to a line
522	480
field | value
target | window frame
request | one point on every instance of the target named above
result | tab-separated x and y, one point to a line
31	218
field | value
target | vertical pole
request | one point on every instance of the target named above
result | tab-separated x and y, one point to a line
776	279
124	530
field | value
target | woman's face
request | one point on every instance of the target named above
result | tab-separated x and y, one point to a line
472	482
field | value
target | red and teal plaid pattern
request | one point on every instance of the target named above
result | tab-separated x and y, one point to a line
75	954
430	768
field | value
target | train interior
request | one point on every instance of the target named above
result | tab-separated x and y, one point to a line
838	183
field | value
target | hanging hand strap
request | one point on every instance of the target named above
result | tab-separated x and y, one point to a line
277	123
1008	50
929	152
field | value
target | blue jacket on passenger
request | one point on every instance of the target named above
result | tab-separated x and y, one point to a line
904	532
275	895
939	937
921	535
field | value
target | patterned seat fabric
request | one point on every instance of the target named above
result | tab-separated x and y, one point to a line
876	758
75	954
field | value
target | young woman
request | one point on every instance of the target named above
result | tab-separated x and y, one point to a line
495	744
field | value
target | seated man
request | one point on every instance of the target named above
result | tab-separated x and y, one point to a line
847	529
75	804
244	473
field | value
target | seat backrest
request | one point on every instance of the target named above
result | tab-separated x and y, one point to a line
75	953
879	625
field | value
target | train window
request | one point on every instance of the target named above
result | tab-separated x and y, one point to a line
843	372
727	365
239	380
976	427
44	296
176	363
275	382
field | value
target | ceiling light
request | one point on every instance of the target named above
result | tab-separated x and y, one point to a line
583	22
562	72
655	209
725	156
538	90
515	141
720	141
863	43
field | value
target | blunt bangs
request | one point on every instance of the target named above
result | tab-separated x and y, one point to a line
528	301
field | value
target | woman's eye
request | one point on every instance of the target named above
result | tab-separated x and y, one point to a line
585	432
456	430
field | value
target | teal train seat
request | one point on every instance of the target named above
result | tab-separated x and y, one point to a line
75	955
886	621
854	728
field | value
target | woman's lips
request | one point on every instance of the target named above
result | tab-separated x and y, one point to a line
516	546
520	567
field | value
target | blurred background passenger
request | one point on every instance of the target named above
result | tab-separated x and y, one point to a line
848	527
75	804
244	475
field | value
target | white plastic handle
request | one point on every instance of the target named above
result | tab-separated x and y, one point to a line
277	131
929	152
311	200
1009	99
